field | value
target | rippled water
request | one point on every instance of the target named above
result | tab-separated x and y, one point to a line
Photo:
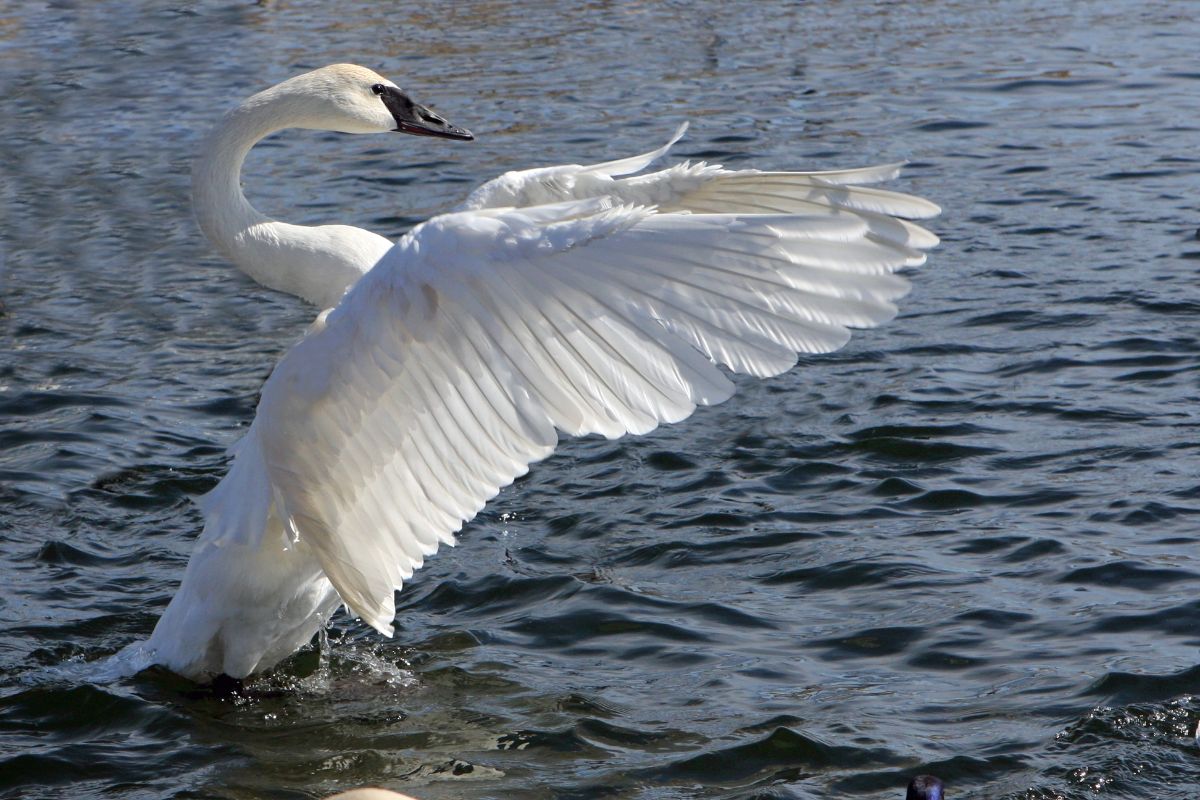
966	544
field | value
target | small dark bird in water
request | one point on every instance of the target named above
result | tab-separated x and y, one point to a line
924	787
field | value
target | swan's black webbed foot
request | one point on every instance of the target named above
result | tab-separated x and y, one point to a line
225	687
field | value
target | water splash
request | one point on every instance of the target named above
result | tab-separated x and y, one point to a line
125	663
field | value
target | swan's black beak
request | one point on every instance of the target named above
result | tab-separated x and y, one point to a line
418	120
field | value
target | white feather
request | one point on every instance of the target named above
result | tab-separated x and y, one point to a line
609	306
569	299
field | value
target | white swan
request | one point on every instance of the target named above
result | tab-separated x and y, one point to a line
566	297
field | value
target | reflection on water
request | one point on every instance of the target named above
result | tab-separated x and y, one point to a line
964	545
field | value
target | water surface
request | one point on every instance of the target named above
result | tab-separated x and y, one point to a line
966	544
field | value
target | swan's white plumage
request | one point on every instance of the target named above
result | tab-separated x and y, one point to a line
561	299
318	262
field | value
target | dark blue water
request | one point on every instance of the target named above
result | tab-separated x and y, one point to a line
966	544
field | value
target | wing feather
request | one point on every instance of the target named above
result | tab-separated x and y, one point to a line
628	166
451	367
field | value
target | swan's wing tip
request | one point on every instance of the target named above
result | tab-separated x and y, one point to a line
628	166
380	621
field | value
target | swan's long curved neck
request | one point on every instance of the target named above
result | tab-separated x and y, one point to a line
315	263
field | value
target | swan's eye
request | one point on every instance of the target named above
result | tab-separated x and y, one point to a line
378	88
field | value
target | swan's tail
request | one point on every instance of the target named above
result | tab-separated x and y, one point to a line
250	596
241	609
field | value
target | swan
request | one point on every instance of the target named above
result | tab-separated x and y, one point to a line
580	299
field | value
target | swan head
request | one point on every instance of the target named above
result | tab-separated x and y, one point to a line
925	787
351	99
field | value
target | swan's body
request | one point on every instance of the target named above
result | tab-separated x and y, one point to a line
566	297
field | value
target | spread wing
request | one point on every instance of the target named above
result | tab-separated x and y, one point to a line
705	188
447	369
571	298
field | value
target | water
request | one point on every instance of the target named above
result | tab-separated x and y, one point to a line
966	544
